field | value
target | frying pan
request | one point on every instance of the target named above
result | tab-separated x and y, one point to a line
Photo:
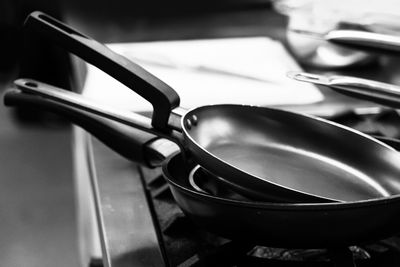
382	182
299	225
262	152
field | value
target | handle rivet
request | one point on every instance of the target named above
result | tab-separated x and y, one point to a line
188	124
194	120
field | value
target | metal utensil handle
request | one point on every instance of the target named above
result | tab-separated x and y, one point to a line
159	94
377	92
363	39
374	91
78	101
366	84
131	143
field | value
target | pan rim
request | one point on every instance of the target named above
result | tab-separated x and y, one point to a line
273	205
188	137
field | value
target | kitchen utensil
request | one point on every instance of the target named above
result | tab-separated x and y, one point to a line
299	225
313	49
378	92
263	153
364	40
358	178
321	17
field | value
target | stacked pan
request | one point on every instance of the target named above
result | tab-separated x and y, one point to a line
263	175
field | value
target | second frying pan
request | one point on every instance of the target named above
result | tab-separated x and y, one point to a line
307	152
299	225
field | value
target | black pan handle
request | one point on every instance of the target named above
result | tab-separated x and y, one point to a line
131	143
162	97
78	101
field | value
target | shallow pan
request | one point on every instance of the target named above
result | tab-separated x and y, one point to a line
265	153
300	225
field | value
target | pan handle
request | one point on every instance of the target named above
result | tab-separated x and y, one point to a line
162	97
374	91
80	102
131	143
371	41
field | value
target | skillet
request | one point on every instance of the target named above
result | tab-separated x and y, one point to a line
297	225
265	153
385	183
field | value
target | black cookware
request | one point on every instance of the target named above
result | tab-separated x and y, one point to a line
262	152
299	225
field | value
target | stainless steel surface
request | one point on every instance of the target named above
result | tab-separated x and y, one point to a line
192	180
382	93
138	242
298	152
314	50
381	22
355	39
38	219
365	39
